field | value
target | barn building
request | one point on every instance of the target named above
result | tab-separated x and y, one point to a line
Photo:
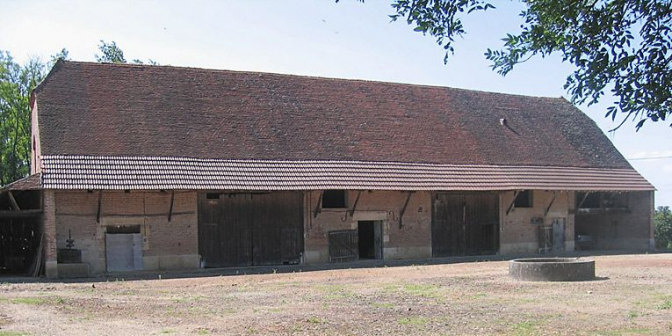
140	167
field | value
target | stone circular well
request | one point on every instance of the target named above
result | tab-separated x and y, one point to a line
552	269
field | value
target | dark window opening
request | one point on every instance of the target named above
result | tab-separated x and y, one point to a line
597	200
524	199
334	199
615	200
588	200
212	196
123	229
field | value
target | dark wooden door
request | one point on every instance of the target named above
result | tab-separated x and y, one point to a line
378	239
250	229
465	224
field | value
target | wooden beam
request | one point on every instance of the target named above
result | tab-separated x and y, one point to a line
100	205
172	202
583	200
354	206
13	201
515	195
548	208
403	210
318	207
20	213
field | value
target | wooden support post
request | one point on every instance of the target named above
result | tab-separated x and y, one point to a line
318	207
100	205
583	200
513	202
403	210
13	201
354	206
548	208
172	202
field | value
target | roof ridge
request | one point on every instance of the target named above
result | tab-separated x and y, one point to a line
310	161
338	79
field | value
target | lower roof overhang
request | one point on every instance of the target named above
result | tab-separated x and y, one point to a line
173	173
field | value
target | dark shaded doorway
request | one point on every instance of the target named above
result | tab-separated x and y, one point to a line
21	238
465	224
243	229
370	240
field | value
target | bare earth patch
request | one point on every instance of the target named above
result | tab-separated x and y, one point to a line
632	297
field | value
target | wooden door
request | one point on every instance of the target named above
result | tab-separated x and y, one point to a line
250	229
465	224
277	228
378	239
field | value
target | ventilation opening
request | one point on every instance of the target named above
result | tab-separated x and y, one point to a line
212	196
524	199
123	229
333	199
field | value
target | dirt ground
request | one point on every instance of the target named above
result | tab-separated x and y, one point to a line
632	297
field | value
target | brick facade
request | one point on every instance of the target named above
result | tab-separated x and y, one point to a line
412	240
174	244
166	244
519	229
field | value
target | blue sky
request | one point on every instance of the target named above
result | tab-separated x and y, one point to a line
315	38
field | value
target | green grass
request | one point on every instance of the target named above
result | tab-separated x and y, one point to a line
623	332
525	328
12	333
383	305
29	301
423	290
667	304
335	292
316	320
412	321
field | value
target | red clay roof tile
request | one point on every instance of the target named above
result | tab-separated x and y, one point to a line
139	110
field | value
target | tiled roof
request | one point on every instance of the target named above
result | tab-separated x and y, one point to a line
162	111
152	173
32	182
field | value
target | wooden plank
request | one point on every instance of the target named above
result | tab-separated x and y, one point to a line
343	246
13	201
100	206
550	204
251	229
172	203
235	230
354	206
403	209
208	231
20	213
464	224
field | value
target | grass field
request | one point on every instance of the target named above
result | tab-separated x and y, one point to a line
632	297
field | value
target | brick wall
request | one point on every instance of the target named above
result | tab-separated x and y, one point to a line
166	245
518	234
412	240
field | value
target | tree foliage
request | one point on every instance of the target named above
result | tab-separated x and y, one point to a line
622	46
16	83
111	53
663	227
